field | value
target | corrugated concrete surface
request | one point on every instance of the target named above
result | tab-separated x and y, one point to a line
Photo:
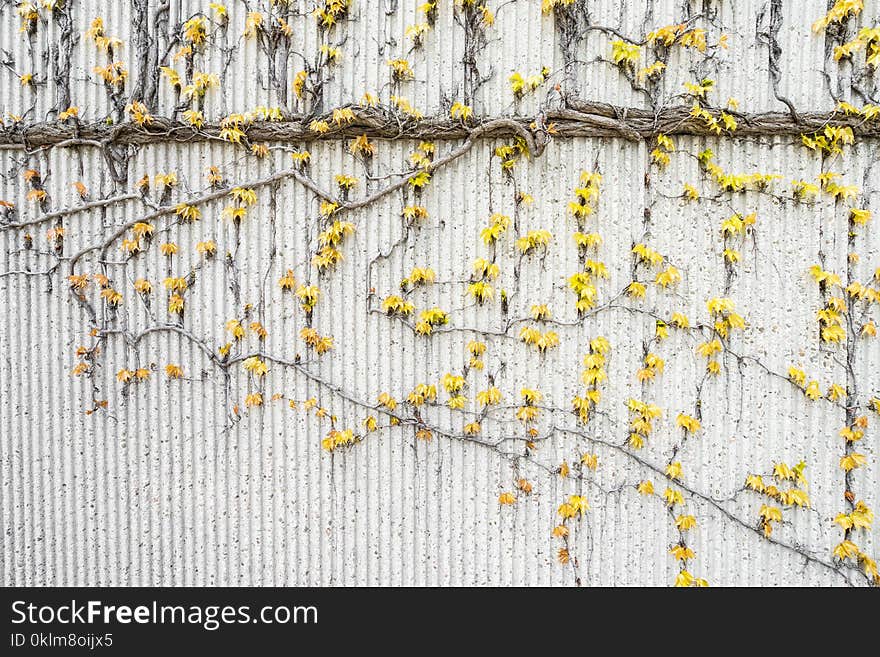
170	485
377	33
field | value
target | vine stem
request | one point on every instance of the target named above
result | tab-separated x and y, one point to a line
575	117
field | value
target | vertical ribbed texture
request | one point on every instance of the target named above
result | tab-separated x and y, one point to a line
160	490
521	40
177	483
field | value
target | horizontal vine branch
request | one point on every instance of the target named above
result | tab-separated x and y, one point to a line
578	119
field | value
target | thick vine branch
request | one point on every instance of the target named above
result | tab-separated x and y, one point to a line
578	119
66	212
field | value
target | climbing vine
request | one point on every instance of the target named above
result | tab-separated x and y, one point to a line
137	276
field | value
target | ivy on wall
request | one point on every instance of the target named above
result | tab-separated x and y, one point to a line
188	61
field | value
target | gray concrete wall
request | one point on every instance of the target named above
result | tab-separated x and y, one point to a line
177	482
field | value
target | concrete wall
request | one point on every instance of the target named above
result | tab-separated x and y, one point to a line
169	485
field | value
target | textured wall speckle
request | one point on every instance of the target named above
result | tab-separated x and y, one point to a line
176	482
